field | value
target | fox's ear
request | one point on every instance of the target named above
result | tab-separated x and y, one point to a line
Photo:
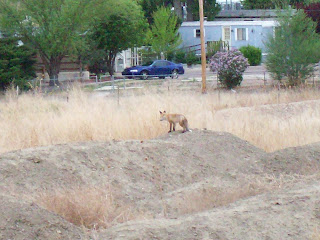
160	112
164	111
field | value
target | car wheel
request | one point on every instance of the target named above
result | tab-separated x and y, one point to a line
144	75
174	74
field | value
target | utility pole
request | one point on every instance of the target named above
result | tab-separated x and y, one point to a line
203	48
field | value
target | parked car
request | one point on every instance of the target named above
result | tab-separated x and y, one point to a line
158	68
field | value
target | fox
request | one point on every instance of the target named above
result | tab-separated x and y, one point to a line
173	119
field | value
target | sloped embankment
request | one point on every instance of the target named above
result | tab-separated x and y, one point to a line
196	185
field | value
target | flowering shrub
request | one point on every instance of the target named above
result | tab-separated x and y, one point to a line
229	66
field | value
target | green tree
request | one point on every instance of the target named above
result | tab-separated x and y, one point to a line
258	4
313	11
163	36
294	48
150	6
95	59
177	8
122	27
272	4
16	63
210	9
53	28
190	14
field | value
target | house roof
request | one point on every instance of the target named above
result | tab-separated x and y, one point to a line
257	13
269	23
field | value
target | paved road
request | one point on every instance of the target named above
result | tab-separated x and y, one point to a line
253	76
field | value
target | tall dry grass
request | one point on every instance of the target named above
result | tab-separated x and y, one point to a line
90	207
33	120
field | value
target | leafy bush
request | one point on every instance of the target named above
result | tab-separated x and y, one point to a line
253	54
191	58
170	56
180	56
230	67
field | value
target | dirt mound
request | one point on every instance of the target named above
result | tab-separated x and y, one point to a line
170	180
292	214
23	220
303	160
175	160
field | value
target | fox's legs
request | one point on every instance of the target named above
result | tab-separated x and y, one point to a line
184	125
172	125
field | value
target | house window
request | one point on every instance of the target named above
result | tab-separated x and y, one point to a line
197	33
242	34
226	34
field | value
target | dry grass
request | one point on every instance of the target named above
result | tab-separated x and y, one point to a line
92	208
275	130
33	120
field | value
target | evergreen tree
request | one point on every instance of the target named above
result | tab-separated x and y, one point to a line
163	35
16	63
294	48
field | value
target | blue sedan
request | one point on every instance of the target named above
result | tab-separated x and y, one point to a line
159	68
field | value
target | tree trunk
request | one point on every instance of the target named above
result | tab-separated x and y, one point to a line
110	63
53	68
80	68
177	8
189	10
53	72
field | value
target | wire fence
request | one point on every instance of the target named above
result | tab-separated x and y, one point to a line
192	78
